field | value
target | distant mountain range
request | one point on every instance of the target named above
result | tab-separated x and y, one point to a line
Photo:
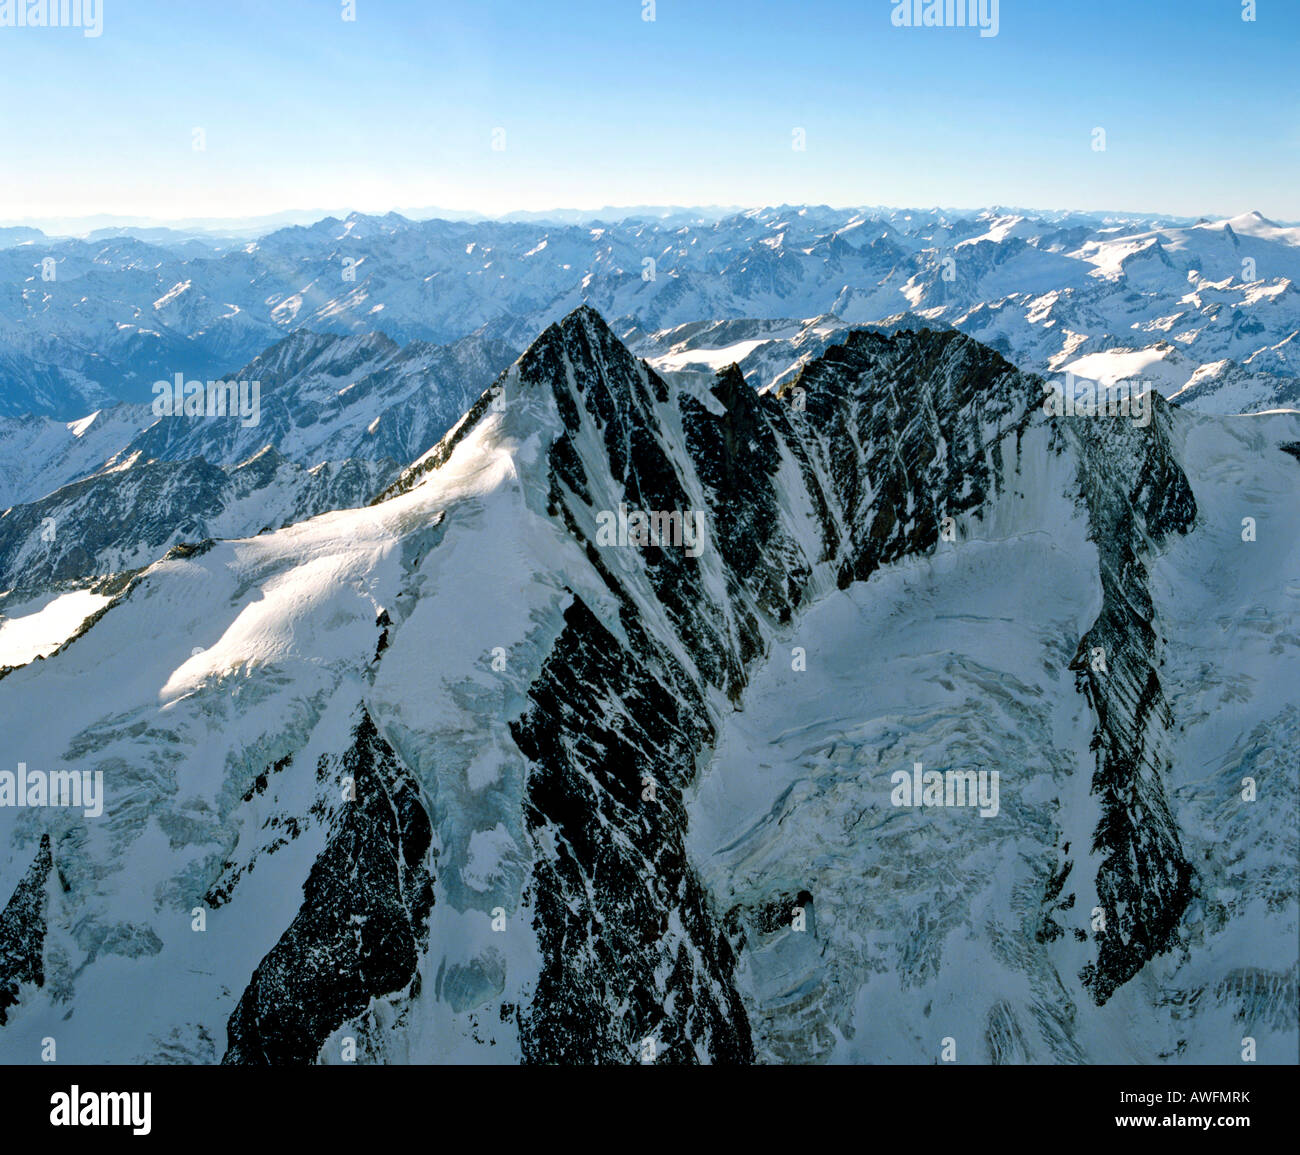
1206	310
339	416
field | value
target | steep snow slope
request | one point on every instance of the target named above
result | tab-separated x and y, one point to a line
925	924
38	627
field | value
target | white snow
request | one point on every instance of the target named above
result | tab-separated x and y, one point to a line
37	628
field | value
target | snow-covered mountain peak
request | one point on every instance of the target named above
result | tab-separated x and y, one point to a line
565	742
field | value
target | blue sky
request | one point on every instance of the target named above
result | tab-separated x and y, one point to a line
302	109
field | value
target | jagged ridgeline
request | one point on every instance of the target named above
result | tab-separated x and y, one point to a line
490	770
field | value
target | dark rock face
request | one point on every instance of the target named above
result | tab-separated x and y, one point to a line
645	937
22	931
888	437
363	920
910	429
1137	496
612	873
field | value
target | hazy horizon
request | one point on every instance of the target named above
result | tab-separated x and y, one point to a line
503	107
80	227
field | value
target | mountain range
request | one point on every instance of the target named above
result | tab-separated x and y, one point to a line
434	769
1206	310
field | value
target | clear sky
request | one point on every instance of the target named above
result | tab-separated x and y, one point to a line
301	109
